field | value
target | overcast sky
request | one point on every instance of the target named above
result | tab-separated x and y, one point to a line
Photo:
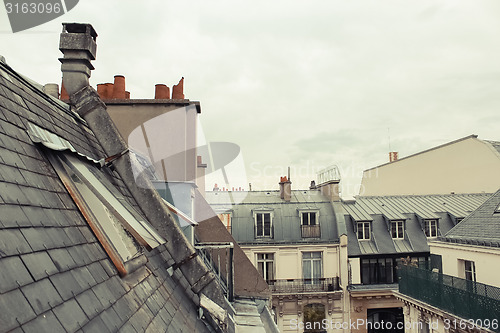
304	84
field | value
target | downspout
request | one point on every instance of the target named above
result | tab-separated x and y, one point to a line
343	260
78	44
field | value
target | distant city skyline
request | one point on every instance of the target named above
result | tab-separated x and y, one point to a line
303	85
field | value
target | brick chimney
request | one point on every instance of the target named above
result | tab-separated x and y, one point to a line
285	189
393	156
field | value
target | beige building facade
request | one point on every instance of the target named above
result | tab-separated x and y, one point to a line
467	165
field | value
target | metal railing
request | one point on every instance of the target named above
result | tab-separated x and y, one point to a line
463	298
311	231
304	285
219	259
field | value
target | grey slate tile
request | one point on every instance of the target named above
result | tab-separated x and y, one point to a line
66	285
36	216
14	309
105	295
140	320
89	303
41	295
37	238
12	242
46	323
70	315
96	325
13	217
125	307
62	259
111	319
97	272
39	265
13	274
14	194
83	277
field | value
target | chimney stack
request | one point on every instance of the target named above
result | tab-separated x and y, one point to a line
393	156
119	87
51	89
178	90
78	44
285	189
162	91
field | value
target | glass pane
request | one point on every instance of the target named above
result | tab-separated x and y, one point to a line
365	271
400	229
305	219
313	218
260	225
367	230
267	224
110	196
270	270
307	269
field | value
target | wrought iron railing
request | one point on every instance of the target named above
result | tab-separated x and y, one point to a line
463	298
303	285
311	231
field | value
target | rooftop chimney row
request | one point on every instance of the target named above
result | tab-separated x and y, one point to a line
117	90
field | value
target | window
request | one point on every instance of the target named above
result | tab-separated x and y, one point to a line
108	213
309	218
363	230
470	270
226	220
430	228
263	225
265	265
397	228
378	271
310	225
311	267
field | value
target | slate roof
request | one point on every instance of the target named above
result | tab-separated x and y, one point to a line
481	227
54	274
413	209
286	220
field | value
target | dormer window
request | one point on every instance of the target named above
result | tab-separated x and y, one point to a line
263	224
397	229
363	230
309	218
430	228
310	224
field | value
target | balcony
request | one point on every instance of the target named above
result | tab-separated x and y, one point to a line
303	285
311	231
460	297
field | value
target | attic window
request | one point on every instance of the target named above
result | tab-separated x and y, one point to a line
397	229
430	228
109	215
363	230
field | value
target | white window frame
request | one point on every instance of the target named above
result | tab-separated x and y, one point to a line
399	232
309	212
264	261
313	279
431	225
361	227
470	271
263	212
105	210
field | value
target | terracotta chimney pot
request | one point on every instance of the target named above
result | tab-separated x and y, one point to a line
119	87
102	90
178	90
162	91
64	94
